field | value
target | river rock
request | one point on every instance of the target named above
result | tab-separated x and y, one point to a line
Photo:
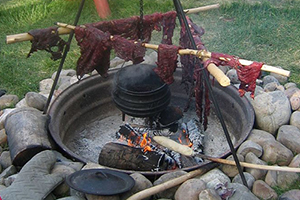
214	177
281	179
96	197
35	100
8	100
232	75
193	186
9	180
4	115
22	103
269	79
3	138
295	162
295	101
295	119
290	195
230	170
64	72
249	179
256	173
45	86
241	192
209	194
169	193
11	170
141	183
71	198
263	191
289	136
38	180
64	171
250	146
282	79
272	109
276	153
260	136
270	87
5	159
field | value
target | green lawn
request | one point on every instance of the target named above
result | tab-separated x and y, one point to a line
266	31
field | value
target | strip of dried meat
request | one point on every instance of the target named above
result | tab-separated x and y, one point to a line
47	39
247	74
128	49
168	23
166	62
95	47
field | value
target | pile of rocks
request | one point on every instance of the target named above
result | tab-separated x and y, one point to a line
274	140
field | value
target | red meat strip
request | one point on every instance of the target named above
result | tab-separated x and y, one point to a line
247	74
128	49
166	62
46	39
95	47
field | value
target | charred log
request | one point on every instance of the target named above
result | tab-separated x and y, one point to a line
130	158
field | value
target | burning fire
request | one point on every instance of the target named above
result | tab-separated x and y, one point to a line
187	141
134	141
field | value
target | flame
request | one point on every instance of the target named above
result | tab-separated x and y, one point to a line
129	143
187	140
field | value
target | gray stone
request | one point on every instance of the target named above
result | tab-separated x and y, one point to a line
11	170
214	174
230	170
260	136
5	159
282	79
295	100
38	180
290	195
141	183
281	179
63	171
72	198
269	79
295	119
209	194
249	179
115	62
250	146
63	80
8	101
291	90
193	186
95	197
241	192
290	85
73	80
169	193
3	139
232	75
22	104
45	86
4	115
295	162
289	136
256	173
271	87
153	56
272	110
65	72
276	153
35	100
263	191
9	180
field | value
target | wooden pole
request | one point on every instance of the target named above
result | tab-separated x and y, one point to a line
10	39
187	151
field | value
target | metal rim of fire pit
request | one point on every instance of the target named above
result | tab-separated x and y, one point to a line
62	116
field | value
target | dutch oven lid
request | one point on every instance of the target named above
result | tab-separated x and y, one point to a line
100	182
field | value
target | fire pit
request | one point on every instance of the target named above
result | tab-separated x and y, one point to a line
85	117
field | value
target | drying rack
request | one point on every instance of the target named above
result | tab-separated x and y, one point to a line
204	55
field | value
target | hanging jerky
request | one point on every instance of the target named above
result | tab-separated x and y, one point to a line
48	40
169	22
128	49
95	47
166	62
247	74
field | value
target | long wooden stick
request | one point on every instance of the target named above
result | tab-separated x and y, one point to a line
10	39
167	185
172	145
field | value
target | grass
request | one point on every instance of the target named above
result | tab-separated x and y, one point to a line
265	31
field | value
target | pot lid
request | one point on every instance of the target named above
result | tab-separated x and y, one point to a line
102	182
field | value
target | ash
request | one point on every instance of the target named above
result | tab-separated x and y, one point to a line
88	142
